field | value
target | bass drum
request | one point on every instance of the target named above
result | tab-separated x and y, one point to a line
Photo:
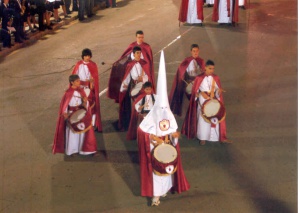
164	159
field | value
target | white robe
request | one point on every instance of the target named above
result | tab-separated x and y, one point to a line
210	1
135	72
192	16
205	131
162	184
241	2
223	13
84	74
74	141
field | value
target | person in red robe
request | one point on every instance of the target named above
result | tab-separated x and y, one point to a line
191	11
159	130
140	108
226	12
137	73
65	139
119	67
203	90
189	68
89	77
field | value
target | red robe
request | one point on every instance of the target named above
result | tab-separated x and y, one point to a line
132	129
178	87
90	143
94	73
119	68
184	10
180	183
189	127
235	12
124	97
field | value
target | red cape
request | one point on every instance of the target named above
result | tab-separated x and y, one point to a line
124	97
90	143
119	68
189	127
146	172
132	129
178	87
235	12
94	73
184	10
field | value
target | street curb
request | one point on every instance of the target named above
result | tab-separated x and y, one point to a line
39	34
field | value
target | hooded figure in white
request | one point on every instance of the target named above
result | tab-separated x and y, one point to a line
160	126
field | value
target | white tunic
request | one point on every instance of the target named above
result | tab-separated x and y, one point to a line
135	72
223	13
193	69
192	17
162	184
210	1
74	141
241	2
148	103
205	131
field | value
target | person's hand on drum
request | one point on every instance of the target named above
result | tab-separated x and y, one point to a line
219	91
66	115
204	95
141	107
157	139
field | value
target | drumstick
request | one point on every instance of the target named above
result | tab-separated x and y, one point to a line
103	63
81	97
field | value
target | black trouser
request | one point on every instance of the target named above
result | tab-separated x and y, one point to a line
41	9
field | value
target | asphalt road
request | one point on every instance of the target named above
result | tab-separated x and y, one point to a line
257	64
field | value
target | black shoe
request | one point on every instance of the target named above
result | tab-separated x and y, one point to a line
19	41
25	38
36	27
81	19
67	16
33	30
49	27
90	15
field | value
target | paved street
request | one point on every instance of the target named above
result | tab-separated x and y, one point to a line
257	65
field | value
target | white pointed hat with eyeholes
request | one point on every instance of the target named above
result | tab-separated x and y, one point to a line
160	121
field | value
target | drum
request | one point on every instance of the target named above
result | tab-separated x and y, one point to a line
188	88
80	121
164	159
213	108
136	89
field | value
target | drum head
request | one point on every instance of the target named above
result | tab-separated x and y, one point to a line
77	115
188	88
165	153
137	88
211	108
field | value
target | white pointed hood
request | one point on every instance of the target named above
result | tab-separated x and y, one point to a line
160	120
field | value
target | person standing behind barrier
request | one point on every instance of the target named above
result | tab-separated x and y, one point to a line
110	3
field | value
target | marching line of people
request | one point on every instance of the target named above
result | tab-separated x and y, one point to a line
146	111
225	12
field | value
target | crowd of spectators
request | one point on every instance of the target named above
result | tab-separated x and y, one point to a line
38	15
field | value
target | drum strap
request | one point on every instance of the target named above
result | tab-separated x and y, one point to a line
73	108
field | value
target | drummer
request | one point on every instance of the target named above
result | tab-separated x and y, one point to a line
189	68
159	126
206	86
136	74
66	140
141	107
87	70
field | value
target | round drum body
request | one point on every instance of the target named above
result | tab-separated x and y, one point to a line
136	89
164	159
80	120
213	108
